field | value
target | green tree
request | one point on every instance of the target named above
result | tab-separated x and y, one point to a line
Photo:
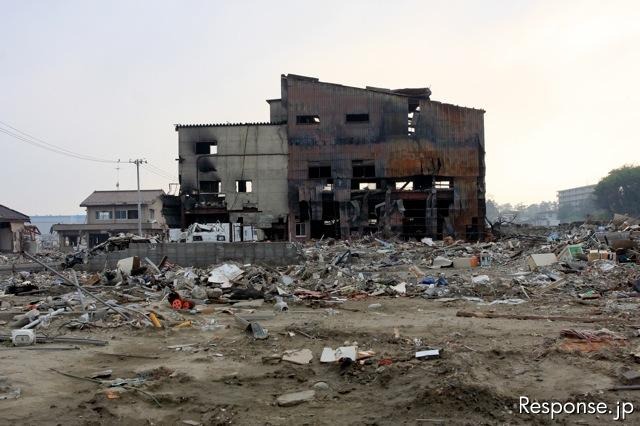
619	191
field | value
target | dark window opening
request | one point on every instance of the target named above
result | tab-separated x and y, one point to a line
206	148
132	214
357	118
316	172
361	169
243	186
210	186
301	229
307	119
305	212
422	182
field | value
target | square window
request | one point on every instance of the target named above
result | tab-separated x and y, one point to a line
301	229
132	214
104	215
205	148
243	186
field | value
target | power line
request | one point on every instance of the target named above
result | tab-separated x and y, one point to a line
162	175
152	169
34	141
162	171
22	136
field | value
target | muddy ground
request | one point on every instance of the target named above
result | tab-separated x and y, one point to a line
486	365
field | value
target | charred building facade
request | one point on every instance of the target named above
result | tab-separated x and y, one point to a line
234	173
343	161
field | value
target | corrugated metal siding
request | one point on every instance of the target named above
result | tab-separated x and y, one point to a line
449	141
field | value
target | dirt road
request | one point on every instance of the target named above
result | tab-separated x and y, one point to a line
486	365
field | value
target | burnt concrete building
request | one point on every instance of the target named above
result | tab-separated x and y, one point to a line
234	173
342	161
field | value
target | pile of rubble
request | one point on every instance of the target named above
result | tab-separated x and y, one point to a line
584	262
115	243
46	256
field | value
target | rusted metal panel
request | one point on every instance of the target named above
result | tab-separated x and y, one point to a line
447	140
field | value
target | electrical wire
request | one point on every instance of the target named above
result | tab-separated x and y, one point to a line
162	175
22	136
154	172
159	170
34	141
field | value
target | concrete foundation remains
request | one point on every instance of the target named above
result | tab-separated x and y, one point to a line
201	254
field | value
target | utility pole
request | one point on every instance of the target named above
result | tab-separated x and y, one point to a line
137	162
118	176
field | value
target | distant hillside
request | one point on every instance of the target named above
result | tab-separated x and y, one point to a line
44	223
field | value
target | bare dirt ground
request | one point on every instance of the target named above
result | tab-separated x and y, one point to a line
486	365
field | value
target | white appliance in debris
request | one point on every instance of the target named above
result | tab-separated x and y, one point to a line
208	233
221	233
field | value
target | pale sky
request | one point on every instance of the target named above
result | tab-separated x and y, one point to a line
559	81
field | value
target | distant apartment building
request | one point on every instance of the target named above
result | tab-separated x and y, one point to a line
337	161
574	204
113	212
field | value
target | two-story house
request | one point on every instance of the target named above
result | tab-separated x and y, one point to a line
113	212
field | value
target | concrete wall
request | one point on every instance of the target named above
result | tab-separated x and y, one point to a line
6	239
202	254
277	113
244	152
11	235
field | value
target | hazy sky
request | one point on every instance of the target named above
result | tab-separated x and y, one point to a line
559	81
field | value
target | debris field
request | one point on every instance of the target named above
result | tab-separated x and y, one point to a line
368	331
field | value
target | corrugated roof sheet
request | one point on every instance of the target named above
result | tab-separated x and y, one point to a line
105	198
182	126
7	214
